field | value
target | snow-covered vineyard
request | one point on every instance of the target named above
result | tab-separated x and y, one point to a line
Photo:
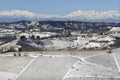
49	41
59	51
61	65
41	36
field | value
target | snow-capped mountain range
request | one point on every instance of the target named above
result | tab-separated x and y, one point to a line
96	16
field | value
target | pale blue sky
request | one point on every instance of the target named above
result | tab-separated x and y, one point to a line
59	6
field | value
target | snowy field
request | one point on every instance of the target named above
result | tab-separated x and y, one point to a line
48	68
11	66
61	65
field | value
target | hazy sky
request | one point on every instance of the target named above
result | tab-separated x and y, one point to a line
59	6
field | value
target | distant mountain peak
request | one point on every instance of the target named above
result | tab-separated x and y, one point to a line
94	15
80	15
